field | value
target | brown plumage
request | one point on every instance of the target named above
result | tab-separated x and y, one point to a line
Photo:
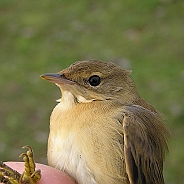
102	131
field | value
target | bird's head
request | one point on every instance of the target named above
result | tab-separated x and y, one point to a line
94	80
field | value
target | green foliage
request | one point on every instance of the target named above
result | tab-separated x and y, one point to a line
46	36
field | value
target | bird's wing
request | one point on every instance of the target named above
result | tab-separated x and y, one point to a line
145	138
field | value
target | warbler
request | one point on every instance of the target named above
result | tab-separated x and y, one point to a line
102	131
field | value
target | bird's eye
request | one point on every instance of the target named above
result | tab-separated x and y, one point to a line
94	80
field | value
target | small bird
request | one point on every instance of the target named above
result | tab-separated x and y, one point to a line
102	131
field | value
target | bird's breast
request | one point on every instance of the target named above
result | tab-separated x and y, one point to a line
66	155
87	144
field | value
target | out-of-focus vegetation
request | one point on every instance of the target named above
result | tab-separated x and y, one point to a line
46	36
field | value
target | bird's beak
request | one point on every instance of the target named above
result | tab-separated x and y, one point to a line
56	78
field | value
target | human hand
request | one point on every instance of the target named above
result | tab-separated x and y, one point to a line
49	174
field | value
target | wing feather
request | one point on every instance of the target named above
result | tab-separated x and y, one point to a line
145	143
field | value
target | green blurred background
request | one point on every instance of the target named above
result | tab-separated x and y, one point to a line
38	37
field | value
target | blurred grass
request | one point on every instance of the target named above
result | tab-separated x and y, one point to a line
46	36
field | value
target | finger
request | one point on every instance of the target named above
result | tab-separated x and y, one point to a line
49	174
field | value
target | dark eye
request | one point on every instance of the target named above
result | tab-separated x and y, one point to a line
94	80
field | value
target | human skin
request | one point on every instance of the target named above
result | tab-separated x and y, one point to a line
49	174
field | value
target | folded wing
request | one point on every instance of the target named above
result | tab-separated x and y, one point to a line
145	143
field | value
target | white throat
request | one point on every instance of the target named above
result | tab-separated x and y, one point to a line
68	100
